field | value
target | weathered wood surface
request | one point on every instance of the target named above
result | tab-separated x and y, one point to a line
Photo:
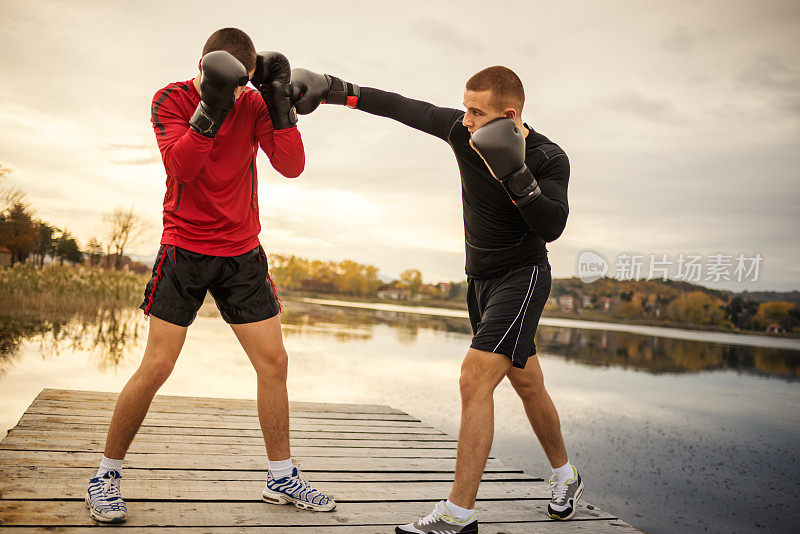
197	465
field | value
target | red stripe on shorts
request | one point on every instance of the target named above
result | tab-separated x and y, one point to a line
155	281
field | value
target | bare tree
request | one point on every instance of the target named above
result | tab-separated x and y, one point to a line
122	229
10	196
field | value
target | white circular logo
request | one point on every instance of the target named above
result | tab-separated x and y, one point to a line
591	266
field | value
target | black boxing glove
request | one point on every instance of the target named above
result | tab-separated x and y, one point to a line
272	79
501	145
221	75
310	89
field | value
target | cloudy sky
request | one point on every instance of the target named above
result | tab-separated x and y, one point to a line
681	120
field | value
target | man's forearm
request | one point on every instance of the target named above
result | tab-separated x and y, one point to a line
184	158
546	217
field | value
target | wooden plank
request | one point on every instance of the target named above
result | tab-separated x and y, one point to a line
211	422
65	422
246	436
151	443
242	462
44	405
250	490
132	473
255	451
103	410
571	527
203	451
207	514
73	396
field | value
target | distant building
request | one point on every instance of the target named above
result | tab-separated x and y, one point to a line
394	293
444	289
5	257
774	328
567	302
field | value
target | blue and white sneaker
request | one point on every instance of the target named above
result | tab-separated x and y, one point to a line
296	489
104	500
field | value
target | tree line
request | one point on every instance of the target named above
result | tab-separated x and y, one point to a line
30	239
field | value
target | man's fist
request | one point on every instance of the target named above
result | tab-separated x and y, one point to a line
310	89
271	78
221	75
501	145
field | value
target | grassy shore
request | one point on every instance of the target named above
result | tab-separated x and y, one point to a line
63	289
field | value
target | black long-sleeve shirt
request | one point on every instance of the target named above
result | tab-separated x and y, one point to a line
499	236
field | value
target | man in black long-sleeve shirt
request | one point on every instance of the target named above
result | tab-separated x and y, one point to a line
507	221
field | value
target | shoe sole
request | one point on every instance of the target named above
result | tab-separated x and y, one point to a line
577	496
277	498
102	519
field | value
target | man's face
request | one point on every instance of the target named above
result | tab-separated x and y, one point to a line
480	109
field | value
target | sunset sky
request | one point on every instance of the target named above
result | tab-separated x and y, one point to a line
681	120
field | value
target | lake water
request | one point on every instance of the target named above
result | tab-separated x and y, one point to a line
671	434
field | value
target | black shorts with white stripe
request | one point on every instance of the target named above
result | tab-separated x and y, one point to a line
505	310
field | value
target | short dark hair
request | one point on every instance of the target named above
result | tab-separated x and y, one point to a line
236	43
504	85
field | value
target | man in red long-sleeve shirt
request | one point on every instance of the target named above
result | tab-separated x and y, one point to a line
209	130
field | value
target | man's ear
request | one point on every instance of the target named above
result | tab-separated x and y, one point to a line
510	113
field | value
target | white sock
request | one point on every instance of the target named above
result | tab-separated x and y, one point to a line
565	472
281	468
458	513
108	464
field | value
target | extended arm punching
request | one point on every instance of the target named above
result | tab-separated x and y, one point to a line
310	89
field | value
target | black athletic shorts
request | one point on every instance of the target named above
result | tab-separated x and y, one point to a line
240	285
505	310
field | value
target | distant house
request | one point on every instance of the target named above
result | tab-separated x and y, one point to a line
395	293
567	302
5	257
444	289
775	328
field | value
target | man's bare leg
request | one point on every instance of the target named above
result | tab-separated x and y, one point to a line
542	414
481	372
164	343
263	343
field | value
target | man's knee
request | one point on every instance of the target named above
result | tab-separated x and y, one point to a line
478	379
156	369
272	363
527	384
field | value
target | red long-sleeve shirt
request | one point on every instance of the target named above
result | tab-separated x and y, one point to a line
211	204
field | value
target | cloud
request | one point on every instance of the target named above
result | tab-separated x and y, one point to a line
446	36
131	153
773	79
679	41
650	108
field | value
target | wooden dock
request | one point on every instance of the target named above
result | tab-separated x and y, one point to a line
191	469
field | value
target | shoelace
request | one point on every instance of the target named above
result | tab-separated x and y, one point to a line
111	488
559	489
431	517
307	485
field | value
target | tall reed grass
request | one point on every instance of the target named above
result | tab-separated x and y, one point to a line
65	289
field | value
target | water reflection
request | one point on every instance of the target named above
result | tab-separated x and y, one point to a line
659	355
110	335
593	347
356	323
